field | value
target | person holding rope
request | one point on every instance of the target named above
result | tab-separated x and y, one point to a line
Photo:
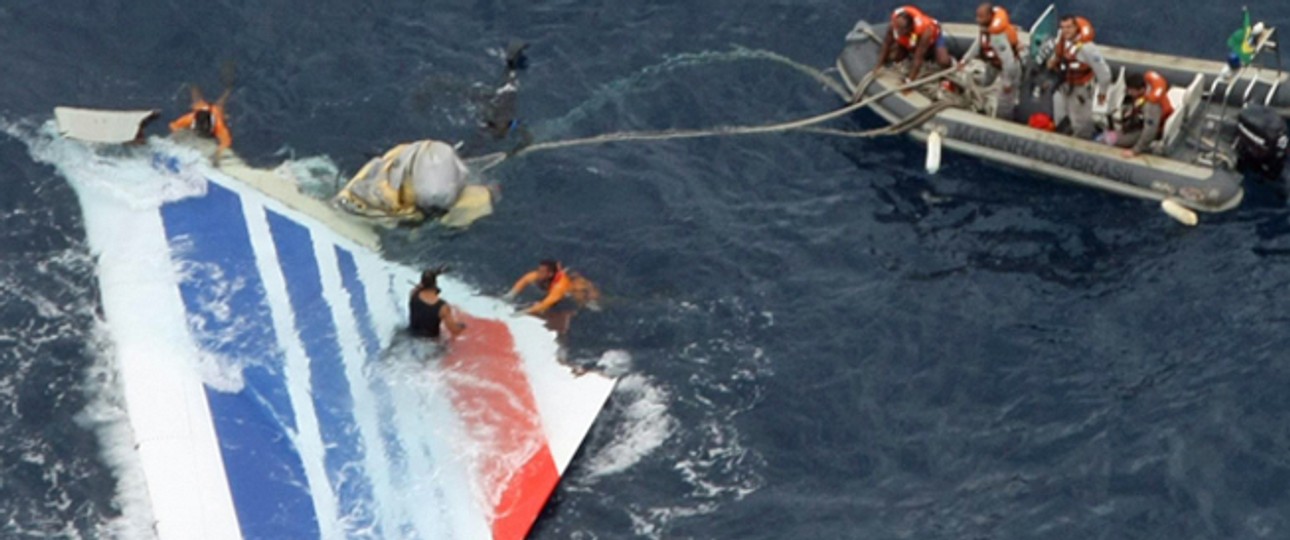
913	33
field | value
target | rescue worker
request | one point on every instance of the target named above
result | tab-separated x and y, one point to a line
912	32
1145	121
997	45
427	313
558	283
207	120
1081	64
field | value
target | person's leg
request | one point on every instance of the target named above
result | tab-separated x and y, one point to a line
1127	140
943	57
1006	103
1059	106
1080	105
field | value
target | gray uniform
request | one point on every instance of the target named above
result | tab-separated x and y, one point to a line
1005	94
1076	102
1139	139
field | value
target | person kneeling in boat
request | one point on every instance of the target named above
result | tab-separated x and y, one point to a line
1081	64
913	33
428	314
1145	119
996	45
207	119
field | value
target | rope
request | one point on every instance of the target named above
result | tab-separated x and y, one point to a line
908	124
638	80
490	160
731	130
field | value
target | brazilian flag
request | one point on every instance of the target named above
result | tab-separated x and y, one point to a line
1242	41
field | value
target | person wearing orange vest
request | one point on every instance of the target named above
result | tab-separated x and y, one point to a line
206	119
997	46
913	33
1145	120
558	283
1081	64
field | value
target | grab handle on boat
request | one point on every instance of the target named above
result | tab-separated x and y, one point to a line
1180	213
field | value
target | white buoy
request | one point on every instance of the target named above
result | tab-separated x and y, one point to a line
933	152
1179	212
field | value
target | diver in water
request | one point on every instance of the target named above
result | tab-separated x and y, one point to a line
497	109
428	314
499	112
207	119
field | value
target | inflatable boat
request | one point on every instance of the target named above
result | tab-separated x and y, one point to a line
1225	121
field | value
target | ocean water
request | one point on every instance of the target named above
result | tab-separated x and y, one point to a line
817	339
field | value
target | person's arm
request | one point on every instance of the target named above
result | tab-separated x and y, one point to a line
1007	60
1151	114
222	133
920	51
553	297
450	322
884	51
1092	57
1054	58
183	122
523	283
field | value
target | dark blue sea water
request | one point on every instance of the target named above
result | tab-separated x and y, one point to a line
822	341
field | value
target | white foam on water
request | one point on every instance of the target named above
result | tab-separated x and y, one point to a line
709	455
219	371
441	492
316	176
615	363
640	426
489	456
129	177
481	447
127	187
106	414
124	173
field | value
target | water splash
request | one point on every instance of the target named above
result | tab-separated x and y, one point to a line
639	428
62	349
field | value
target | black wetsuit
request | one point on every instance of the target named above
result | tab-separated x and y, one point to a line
423	318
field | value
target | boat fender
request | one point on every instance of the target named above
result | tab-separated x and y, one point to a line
933	152
1180	213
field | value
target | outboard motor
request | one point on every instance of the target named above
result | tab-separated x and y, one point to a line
1261	141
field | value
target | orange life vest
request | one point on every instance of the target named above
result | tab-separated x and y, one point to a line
999	24
558	278
219	125
921	23
1077	73
1157	93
